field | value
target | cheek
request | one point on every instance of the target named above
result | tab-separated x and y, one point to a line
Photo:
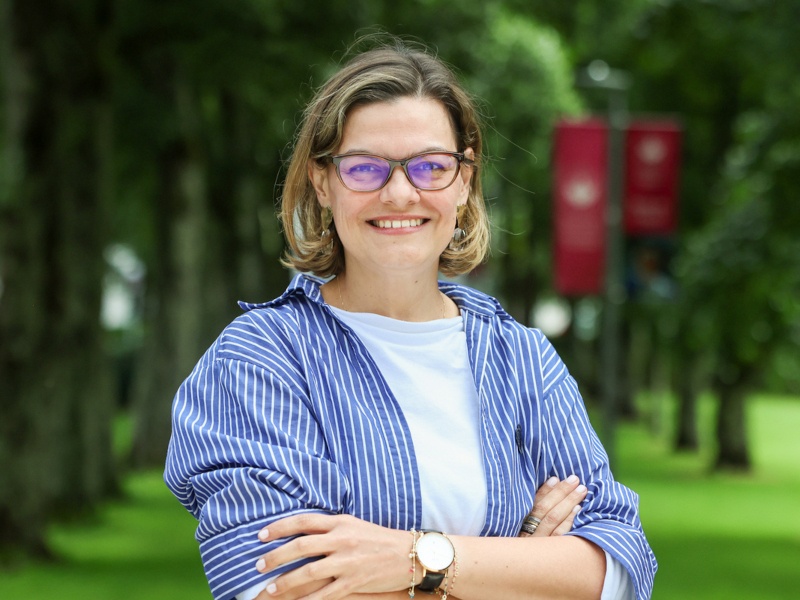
347	211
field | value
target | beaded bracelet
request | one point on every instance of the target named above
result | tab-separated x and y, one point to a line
450	584
413	556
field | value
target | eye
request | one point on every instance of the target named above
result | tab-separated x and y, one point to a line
430	169
429	164
363	168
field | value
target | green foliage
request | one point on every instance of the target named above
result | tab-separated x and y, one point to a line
723	68
741	273
210	92
522	72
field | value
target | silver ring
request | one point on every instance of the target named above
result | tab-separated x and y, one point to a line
530	524
529	529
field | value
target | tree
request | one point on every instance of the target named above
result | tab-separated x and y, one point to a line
740	271
55	443
206	163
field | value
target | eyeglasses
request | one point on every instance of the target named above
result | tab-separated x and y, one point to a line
427	171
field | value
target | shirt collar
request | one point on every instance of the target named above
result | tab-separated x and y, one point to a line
307	285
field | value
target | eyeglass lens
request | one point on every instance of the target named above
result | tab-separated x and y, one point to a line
364	173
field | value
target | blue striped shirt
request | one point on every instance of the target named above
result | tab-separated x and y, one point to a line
288	413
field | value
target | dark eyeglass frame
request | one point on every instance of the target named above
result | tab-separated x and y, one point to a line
459	156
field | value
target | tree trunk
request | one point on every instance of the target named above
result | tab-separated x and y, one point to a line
686	437
55	383
732	443
626	386
212	249
174	306
686	359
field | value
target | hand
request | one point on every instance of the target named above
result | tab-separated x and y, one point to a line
356	557
556	504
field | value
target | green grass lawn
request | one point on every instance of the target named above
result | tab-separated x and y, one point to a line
138	549
718	536
715	536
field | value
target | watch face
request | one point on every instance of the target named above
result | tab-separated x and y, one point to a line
435	551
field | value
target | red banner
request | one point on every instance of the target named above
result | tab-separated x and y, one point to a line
652	162
580	171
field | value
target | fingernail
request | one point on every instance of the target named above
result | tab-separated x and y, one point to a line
261	565
572	479
263	535
577	509
552	481
272	588
580	489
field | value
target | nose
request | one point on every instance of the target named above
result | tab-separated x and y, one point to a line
398	190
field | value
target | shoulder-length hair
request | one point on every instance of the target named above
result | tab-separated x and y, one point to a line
381	74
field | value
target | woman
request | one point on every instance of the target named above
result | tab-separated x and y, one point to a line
325	431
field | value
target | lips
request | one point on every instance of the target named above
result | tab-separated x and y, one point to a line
396	224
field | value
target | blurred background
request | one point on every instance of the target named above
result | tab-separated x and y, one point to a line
141	153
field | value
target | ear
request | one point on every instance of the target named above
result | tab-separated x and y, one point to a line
319	177
465	178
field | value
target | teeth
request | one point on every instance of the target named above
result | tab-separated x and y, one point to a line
398	224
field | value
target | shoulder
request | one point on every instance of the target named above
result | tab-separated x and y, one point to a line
526	348
273	327
474	301
490	313
302	286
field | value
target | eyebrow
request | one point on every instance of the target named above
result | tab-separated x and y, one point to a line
372	153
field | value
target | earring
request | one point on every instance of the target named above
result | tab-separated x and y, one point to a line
459	234
327	219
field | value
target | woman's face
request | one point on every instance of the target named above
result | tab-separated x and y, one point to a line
397	228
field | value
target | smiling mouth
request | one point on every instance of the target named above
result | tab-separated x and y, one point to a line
383	224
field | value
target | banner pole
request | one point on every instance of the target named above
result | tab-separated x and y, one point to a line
616	83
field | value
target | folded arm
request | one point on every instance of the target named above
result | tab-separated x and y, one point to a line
361	560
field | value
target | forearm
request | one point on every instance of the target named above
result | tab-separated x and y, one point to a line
527	569
553	567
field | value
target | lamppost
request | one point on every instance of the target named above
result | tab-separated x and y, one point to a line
616	83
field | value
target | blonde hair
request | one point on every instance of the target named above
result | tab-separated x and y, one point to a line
381	74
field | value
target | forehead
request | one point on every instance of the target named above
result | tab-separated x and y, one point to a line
398	128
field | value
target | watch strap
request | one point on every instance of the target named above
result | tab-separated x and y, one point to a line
431	580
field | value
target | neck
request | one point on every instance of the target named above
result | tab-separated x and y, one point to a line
404	299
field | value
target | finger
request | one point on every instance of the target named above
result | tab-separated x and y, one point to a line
289	591
560	512
297	524
541	494
567	524
263	595
545	489
314	581
546	498
305	546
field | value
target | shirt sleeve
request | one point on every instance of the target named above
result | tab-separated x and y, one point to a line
246	449
609	515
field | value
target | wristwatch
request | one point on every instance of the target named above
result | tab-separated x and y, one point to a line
435	554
